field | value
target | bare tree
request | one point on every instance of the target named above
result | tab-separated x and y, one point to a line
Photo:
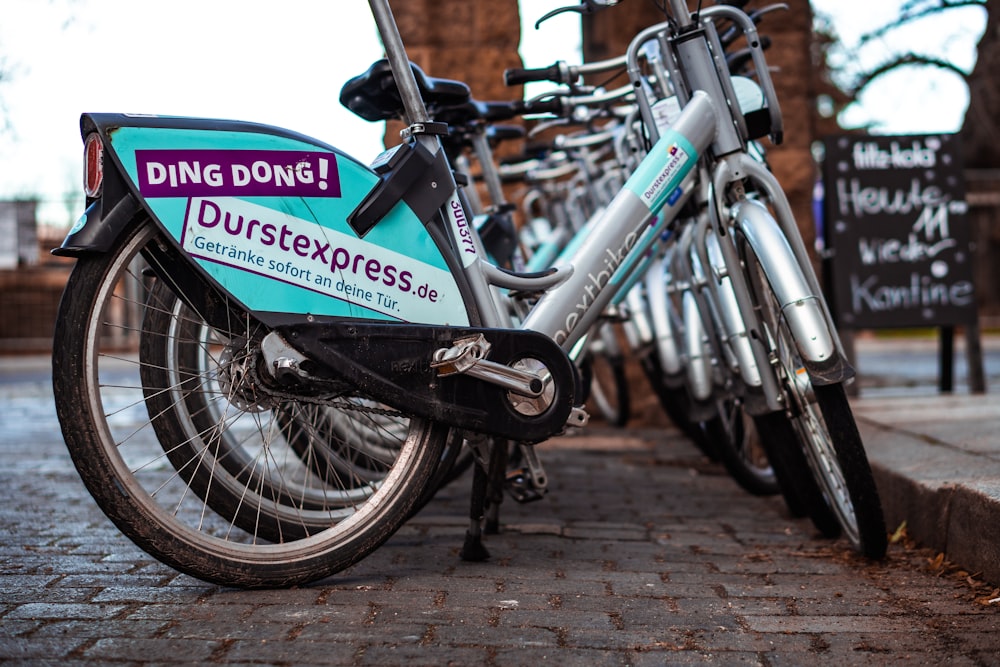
980	130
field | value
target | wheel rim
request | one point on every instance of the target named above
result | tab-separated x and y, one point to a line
746	442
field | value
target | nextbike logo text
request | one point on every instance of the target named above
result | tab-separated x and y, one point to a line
595	285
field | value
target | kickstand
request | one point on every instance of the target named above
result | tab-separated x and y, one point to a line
497	480
473	549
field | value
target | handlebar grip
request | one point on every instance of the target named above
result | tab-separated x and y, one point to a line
516	75
554	105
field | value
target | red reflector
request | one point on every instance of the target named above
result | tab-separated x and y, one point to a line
93	166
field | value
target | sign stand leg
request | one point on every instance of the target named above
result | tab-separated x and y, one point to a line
946	360
974	358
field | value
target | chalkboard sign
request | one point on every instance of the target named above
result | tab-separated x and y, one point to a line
894	219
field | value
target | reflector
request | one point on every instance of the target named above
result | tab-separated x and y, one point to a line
93	165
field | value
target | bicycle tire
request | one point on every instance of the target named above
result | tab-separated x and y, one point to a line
608	390
102	410
802	494
738	445
852	461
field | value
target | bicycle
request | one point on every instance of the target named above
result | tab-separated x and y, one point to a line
262	273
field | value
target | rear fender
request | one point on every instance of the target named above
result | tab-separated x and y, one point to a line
263	213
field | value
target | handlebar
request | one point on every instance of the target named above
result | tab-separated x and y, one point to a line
738	60
556	72
586	7
554	106
560	71
599	98
731	33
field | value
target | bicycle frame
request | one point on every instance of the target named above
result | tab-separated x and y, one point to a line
574	297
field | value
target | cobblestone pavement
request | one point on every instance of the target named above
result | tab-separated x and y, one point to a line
642	554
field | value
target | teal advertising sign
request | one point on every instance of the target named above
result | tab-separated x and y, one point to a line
266	216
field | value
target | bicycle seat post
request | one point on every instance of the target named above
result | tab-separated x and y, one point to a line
679	10
399	62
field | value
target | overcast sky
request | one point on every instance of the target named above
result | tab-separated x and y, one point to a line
245	59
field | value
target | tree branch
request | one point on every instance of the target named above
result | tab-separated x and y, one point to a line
905	60
912	11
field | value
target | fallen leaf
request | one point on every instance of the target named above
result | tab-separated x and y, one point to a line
900	534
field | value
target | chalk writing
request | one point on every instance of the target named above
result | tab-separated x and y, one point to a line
895	219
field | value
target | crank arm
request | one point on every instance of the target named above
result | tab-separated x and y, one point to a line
467	355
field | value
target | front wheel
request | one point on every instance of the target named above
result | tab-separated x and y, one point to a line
837	450
823	423
216	492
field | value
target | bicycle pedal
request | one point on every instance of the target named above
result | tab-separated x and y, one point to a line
520	487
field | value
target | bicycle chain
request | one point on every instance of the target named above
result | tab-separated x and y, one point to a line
315	400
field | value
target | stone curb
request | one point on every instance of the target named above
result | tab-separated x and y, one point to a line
949	498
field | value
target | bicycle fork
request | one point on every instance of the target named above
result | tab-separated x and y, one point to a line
776	242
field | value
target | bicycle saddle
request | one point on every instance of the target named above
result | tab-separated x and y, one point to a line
374	97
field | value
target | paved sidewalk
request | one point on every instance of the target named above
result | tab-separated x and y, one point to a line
643	553
937	465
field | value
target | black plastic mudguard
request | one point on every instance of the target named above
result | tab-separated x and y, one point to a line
390	362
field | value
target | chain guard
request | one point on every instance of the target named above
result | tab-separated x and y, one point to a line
390	362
